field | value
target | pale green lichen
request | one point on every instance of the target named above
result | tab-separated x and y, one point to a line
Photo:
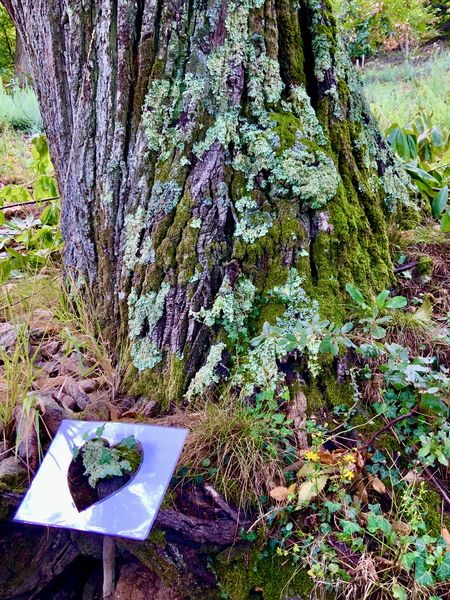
299	171
252	223
298	304
207	374
300	105
196	276
154	114
164	197
321	45
396	185
144	313
231	307
259	369
134	224
312	176
147	256
195	223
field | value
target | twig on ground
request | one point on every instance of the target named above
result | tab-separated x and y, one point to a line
390	425
211	491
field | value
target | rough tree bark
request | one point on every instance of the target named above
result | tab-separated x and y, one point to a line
198	141
22	69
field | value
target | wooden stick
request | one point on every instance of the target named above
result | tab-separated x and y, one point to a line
109	567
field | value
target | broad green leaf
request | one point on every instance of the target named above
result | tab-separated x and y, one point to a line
378	523
347	328
401	144
356	295
440	202
397	302
436	137
422	574
40	153
332	507
45	187
12	194
100	431
129	442
350	527
412	145
378	332
329	346
409	558
443	569
418	173
381	298
399	592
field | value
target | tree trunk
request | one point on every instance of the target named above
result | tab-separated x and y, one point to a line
205	149
22	69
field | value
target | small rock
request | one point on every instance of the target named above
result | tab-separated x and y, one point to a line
51	367
69	365
13	473
51	412
137	582
97	411
88	385
72	388
146	407
50	348
68	402
26	435
42	324
8	337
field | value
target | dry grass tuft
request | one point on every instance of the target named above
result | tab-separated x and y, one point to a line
231	447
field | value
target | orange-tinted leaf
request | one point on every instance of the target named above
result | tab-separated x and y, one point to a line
279	493
446	535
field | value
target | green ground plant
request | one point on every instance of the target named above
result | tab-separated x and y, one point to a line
425	151
15	157
397	92
28	242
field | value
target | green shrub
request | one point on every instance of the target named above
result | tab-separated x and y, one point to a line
369	26
19	109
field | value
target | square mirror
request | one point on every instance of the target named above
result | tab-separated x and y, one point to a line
128	512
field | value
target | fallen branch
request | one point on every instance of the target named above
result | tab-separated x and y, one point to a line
17	204
220	532
406	266
390	425
211	491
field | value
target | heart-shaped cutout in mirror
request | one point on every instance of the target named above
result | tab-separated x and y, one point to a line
98	469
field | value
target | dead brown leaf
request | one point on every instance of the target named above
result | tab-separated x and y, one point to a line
377	485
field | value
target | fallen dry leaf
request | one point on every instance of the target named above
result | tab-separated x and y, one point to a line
279	493
446	535
378	485
361	490
401	528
